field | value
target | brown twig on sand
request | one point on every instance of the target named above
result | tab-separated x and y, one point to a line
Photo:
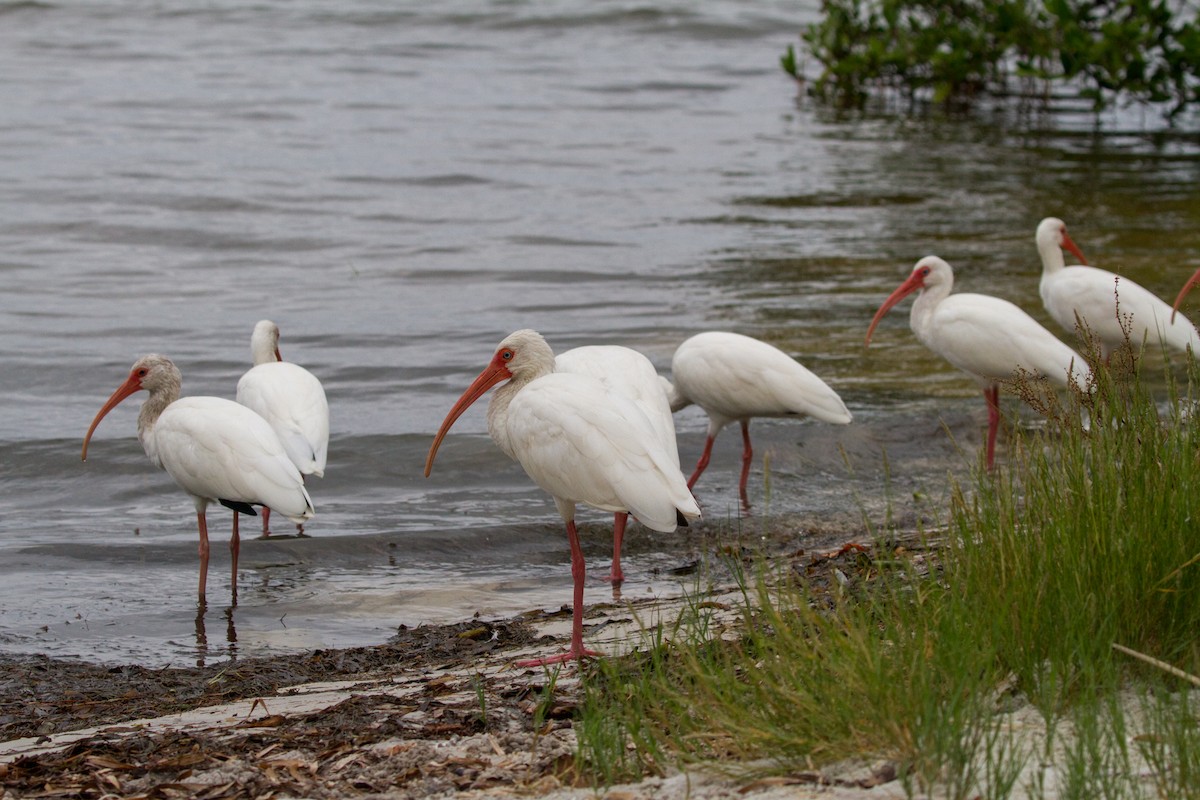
1164	666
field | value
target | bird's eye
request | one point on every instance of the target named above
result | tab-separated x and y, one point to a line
925	272
142	372
507	355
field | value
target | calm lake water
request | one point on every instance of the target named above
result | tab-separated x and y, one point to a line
398	186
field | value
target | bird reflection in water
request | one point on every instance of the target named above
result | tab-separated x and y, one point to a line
229	650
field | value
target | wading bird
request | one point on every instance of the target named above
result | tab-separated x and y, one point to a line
292	400
632	374
579	441
215	449
1112	308
990	339
734	378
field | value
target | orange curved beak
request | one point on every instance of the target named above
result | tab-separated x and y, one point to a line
496	372
912	284
132	384
1069	243
1187	287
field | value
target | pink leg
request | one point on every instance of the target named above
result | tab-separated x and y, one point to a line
747	457
203	523
578	571
266	515
620	520
702	464
235	545
992	395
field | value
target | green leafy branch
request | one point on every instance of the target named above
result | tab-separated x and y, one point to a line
954	51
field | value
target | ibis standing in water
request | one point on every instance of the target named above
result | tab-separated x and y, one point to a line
1112	308
581	442
630	373
734	378
215	449
990	339
292	400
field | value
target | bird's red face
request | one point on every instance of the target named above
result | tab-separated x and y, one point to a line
131	385
914	282
1187	287
496	372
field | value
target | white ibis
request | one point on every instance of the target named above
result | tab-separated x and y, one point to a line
215	449
292	400
582	443
734	378
990	339
627	371
1113	308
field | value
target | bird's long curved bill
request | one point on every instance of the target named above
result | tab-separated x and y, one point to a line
487	379
124	390
1187	287
1074	248
902	291
1068	242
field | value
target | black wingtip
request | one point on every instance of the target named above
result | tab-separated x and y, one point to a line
239	507
680	519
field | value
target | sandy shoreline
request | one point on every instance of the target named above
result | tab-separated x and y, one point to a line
403	719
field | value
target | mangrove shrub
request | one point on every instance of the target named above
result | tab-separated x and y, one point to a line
953	51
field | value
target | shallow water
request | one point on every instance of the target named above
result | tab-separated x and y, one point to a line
399	188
